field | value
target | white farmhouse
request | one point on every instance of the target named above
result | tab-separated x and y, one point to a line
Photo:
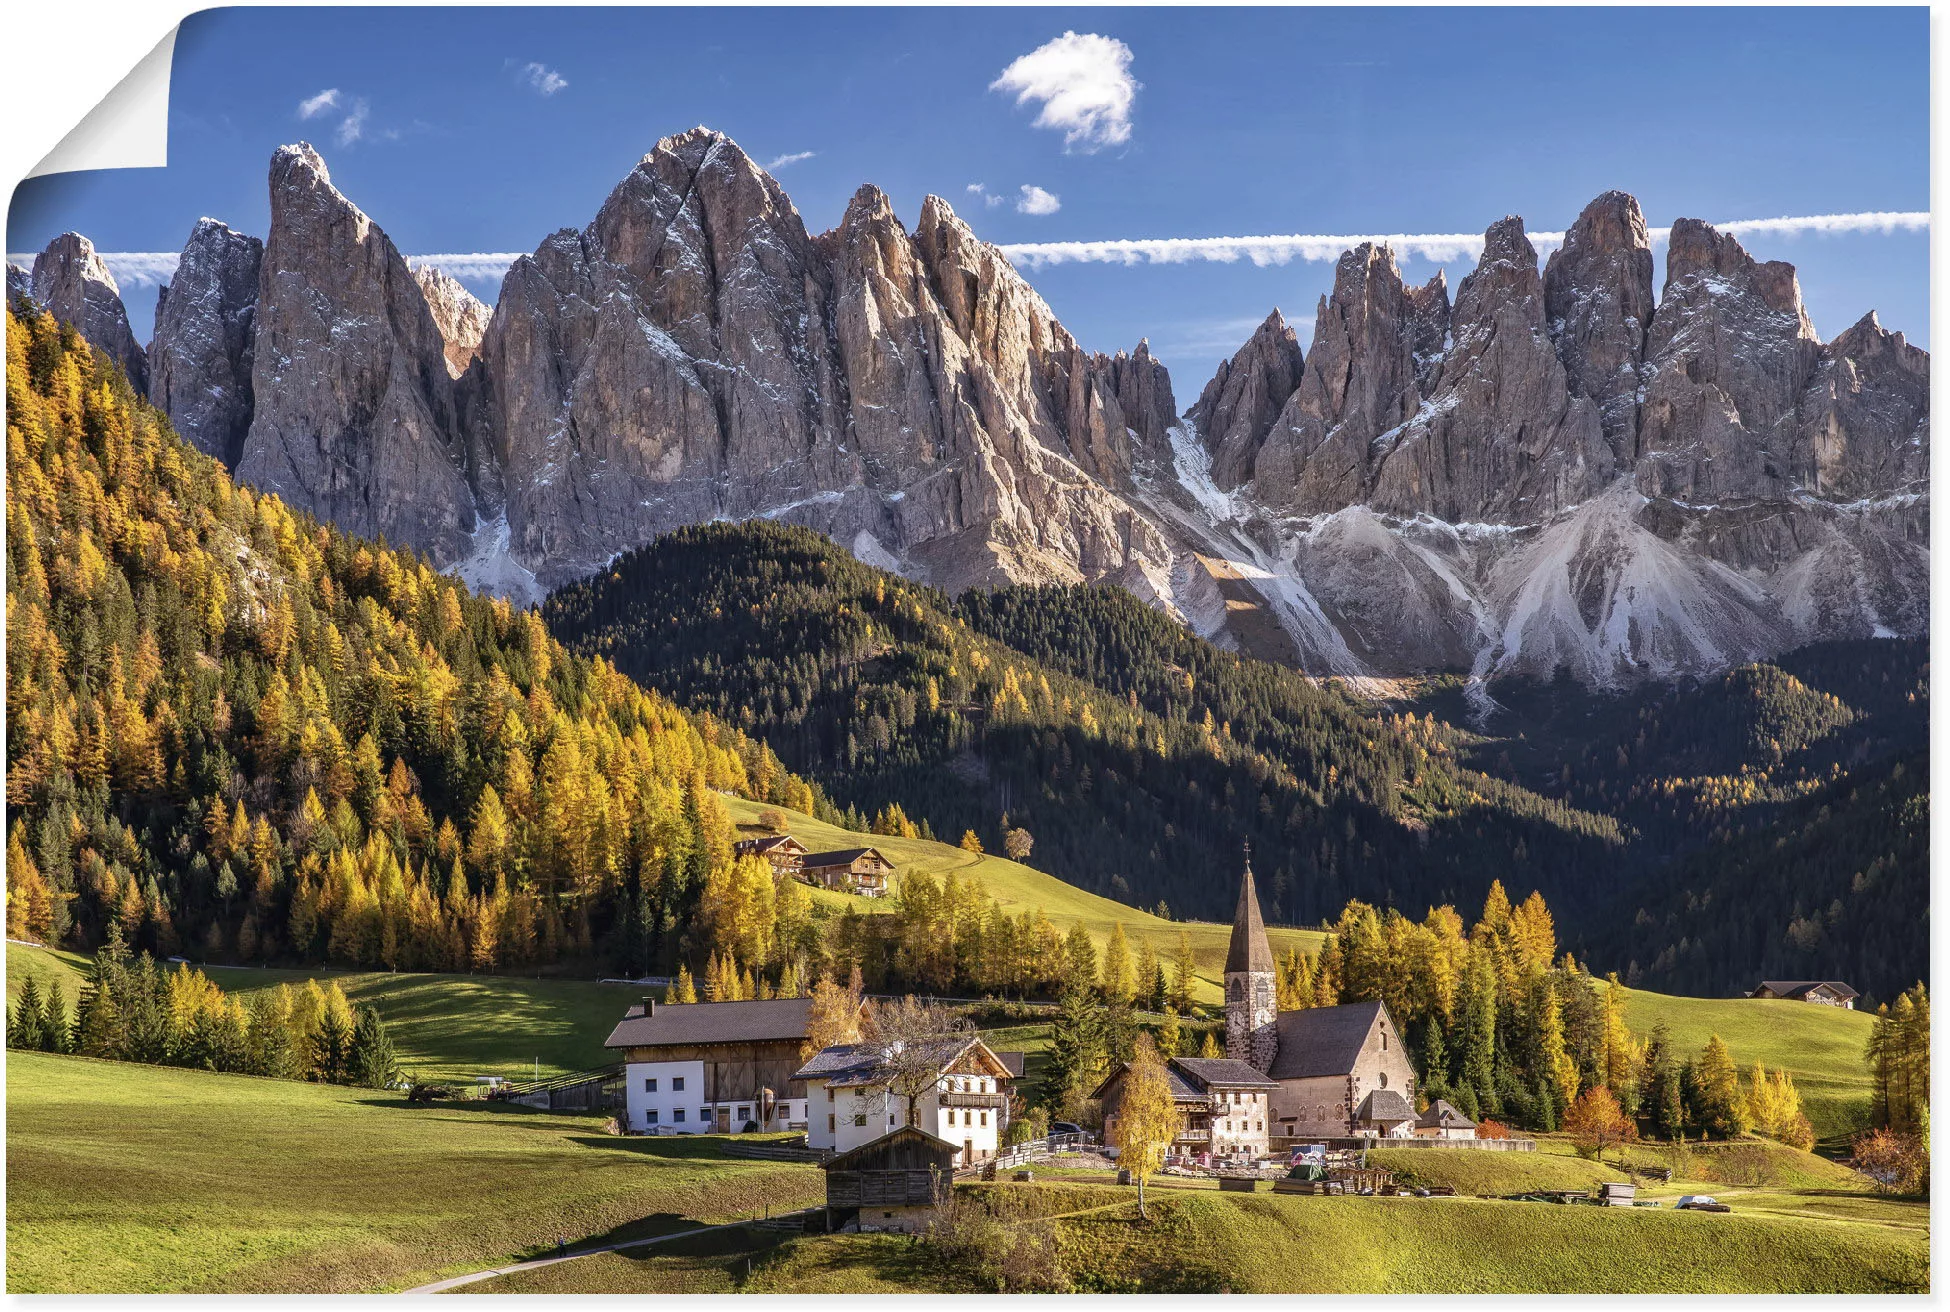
857	1092
713	1067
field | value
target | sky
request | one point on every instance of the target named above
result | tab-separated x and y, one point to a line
484	130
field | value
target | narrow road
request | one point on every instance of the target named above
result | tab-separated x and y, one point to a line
455	1282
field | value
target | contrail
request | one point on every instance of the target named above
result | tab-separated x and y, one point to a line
151	268
1440	247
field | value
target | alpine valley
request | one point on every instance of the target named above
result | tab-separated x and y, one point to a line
1553	471
1658	564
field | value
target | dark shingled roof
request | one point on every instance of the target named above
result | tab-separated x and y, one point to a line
1191	1078
1441	1116
843	857
1014	1061
712	1022
1322	1040
1385	1106
1794	988
760	846
846	1064
846	1160
1223	1070
1249	950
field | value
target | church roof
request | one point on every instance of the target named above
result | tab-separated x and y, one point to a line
1249	951
1385	1107
1223	1070
1322	1040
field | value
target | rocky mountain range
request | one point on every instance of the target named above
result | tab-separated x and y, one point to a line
1557	470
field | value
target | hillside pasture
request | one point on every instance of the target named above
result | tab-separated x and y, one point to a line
1020	888
124	1178
1203	1241
1820	1047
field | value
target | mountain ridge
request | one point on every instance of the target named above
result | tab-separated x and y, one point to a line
1558	470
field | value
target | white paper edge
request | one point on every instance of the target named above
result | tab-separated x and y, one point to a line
128	129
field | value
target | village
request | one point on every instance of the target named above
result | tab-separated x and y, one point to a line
894	1118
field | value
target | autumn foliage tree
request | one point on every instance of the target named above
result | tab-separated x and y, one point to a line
237	733
1596	1122
1147	1116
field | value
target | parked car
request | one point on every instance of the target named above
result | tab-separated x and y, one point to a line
1065	1127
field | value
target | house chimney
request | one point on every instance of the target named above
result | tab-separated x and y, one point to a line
649	1004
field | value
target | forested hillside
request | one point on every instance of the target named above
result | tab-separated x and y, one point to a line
1838	888
245	735
1138	765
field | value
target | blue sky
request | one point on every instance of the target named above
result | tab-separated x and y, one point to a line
486	129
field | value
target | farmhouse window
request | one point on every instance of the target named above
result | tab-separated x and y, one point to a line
829	1093
704	1113
830	1126
744	1113
677	1115
860	1119
650	1116
677	1084
650	1085
985	1118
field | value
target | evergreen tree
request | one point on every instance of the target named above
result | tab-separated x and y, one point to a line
1721	1106
370	1061
1076	1051
331	1048
27	1023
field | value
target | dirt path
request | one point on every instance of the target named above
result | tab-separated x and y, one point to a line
455	1282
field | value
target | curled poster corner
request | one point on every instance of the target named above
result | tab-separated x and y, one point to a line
129	128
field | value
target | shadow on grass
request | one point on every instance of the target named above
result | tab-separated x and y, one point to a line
695	1148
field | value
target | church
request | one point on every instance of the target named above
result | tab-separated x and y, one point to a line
1339	1072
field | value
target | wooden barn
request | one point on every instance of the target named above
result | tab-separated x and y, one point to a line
1821	992
713	1067
861	870
785	852
894	1183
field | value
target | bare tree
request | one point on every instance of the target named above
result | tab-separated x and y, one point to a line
916	1039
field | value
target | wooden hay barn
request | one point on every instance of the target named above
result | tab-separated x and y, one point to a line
894	1183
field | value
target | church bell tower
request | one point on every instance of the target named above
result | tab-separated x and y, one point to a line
1251	999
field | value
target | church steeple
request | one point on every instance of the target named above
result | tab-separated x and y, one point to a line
1251	996
1249	950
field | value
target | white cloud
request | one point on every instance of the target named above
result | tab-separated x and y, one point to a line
1083	84
1034	200
1439	246
313	106
784	161
353	126
541	77
988	197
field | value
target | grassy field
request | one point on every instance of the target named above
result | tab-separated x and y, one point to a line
460	1026
1821	1047
448	1026
1018	887
126	1178
1204	1241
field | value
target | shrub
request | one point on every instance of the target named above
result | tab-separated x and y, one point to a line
1899	1163
1013	1257
1488	1129
772	820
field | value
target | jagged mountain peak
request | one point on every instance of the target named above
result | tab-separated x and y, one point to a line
74	284
1696	250
298	155
1420	490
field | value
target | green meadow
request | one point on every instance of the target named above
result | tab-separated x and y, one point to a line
127	1178
1203	1241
